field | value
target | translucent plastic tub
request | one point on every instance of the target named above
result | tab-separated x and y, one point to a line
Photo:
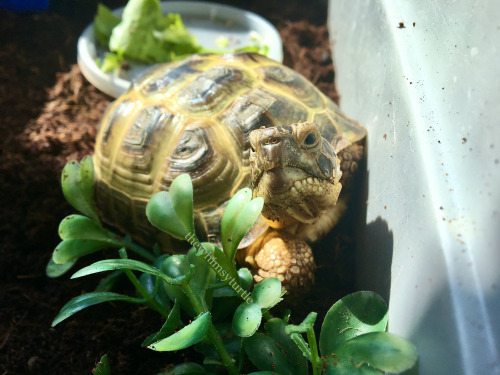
424	78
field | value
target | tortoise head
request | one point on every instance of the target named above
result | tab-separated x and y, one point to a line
296	171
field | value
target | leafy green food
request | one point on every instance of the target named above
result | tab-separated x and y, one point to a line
145	34
104	23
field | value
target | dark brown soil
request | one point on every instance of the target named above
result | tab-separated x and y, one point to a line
49	114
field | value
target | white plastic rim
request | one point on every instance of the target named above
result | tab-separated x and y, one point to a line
206	21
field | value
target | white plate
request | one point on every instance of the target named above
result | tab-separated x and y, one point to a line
206	21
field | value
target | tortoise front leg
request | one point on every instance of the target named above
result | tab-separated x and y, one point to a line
282	255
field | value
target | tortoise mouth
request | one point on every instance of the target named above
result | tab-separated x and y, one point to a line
289	180
303	198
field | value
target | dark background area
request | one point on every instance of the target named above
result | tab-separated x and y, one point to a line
49	115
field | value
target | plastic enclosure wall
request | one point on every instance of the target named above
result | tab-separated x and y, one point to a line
429	94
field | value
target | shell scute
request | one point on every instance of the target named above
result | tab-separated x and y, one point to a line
194	116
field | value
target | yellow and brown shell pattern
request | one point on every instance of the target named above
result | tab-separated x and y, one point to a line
194	116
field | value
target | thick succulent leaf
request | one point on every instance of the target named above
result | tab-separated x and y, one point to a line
354	315
276	329
181	193
176	266
55	270
223	267
233	209
78	227
246	219
102	368
89	299
267	292
267	356
160	212
173	321
149	282
71	250
246	280
246	319
187	336
174	291
381	350
203	276
342	366
77	185
188	368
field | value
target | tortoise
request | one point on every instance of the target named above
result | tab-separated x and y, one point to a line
231	121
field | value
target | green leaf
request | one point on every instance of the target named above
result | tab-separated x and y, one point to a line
231	341
188	368
302	345
102	368
187	336
160	212
173	321
342	366
175	292
77	185
144	34
104	22
149	282
181	192
71	250
203	276
55	270
246	319
176	266
246	219
233	209
90	299
303	327
117	264
78	227
381	350
267	292
276	329
224	267
265	373
267	356
354	315
110	63
246	280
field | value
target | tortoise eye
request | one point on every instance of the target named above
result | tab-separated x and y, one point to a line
310	140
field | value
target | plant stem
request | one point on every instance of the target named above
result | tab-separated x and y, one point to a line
316	362
145	294
148	297
212	333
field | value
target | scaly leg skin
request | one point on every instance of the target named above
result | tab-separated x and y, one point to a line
282	255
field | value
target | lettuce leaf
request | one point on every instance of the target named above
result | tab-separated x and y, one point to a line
145	34
104	23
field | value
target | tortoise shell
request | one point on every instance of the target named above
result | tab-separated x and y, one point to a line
195	116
